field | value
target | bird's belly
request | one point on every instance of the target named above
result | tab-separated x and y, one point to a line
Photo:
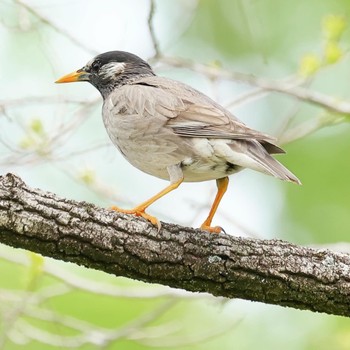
147	158
146	145
196	170
154	157
152	148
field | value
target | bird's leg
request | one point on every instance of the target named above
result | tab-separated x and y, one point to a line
176	178
140	209
222	187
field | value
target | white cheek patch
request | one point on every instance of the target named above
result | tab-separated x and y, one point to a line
112	69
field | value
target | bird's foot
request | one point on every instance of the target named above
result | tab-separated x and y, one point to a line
212	229
139	211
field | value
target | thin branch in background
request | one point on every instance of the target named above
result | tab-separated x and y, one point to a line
281	86
4	112
33	305
6	105
30	333
59	30
192	339
75	281
67	130
154	39
287	120
37	297
89	333
12	317
89	149
9	148
58	137
308	127
104	191
292	113
22	101
259	92
148	317
247	97
84	328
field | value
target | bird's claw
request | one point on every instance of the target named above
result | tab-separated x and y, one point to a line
212	229
139	211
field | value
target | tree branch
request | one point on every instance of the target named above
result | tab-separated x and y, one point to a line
269	271
155	42
291	88
59	30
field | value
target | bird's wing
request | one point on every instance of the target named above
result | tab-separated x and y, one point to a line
212	122
190	113
184	111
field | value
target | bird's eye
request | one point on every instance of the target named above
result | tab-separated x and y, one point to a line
95	66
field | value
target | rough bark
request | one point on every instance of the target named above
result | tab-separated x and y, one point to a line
269	271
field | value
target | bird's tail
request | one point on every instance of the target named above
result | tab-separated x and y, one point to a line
256	155
261	154
275	168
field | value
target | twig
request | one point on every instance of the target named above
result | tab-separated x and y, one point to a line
308	127
76	281
59	30
89	333
154	39
291	89
20	102
247	97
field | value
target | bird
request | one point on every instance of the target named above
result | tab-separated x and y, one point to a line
172	131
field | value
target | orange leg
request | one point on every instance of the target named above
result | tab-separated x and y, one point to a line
140	209
222	187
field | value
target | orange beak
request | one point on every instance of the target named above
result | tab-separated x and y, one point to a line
79	75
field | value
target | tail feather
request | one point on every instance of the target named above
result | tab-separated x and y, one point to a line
271	148
260	153
255	155
275	168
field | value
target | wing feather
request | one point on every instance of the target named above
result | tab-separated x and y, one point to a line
193	114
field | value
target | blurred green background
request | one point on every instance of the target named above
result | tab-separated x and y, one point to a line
53	137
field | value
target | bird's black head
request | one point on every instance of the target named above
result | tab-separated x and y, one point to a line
110	70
